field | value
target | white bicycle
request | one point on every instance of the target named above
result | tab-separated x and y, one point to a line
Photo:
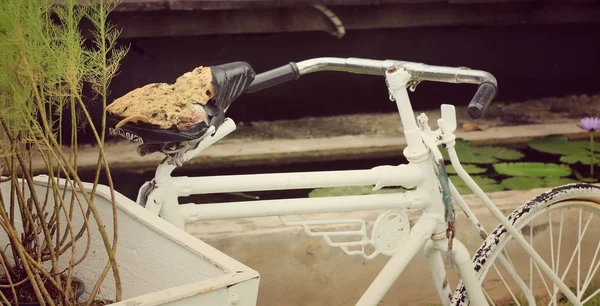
490	277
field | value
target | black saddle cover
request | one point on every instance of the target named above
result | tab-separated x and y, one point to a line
229	81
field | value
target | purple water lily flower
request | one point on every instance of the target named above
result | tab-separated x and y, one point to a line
590	124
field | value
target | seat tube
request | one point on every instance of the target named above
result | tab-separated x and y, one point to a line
397	80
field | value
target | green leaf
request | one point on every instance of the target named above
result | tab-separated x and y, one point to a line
588	179
522	183
471	169
560	144
557	181
532	169
352	190
584	158
501	152
486	184
526	183
469	154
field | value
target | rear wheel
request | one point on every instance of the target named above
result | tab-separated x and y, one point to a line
563	226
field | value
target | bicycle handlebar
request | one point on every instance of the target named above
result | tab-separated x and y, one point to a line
486	92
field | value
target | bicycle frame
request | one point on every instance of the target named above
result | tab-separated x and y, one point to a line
421	175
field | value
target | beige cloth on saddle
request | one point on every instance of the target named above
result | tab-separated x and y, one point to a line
167	105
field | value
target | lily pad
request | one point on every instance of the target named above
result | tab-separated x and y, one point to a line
469	154
486	184
584	158
560	144
526	183
352	190
532	169
471	169
501	152
557	181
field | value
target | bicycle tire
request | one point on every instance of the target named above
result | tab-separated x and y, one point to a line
572	195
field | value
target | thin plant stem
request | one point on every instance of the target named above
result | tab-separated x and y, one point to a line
19	248
4	299
8	278
593	163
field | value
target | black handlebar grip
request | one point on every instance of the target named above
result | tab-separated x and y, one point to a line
482	99
274	77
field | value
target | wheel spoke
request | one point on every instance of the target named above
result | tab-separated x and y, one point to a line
591	296
588	277
531	259
560	231
572	208
551	241
589	280
555	268
489	298
574	253
506	285
579	251
543	281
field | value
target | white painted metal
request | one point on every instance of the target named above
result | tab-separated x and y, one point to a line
402	175
467	273
231	210
438	272
420	233
449	118
390	232
397	80
508	266
465	266
235	289
346	236
155	258
511	229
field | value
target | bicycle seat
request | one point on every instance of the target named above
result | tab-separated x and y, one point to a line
161	113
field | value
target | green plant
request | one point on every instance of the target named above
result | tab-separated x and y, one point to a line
532	169
44	68
351	190
571	152
471	169
482	155
591	125
487	184
526	183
